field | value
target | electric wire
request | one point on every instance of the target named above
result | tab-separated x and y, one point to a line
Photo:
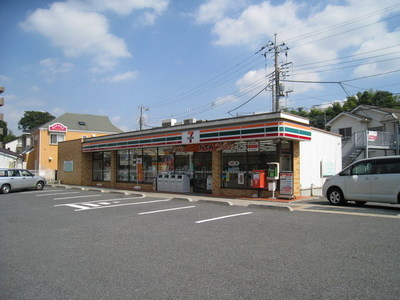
242	67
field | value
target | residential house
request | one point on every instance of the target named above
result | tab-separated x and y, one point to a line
367	131
40	145
10	159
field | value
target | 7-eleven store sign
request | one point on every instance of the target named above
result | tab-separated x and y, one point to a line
191	137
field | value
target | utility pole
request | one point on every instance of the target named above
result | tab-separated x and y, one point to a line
280	71
141	118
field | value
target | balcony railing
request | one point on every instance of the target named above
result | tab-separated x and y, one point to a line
363	141
370	139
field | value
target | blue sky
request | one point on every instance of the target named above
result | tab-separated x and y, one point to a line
190	59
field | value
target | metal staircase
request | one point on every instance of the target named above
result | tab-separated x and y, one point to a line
361	142
352	155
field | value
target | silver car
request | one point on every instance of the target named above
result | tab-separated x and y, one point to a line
19	179
368	180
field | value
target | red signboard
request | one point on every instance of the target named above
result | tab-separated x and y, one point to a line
58	127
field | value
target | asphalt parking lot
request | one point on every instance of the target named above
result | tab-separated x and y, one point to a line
318	204
79	243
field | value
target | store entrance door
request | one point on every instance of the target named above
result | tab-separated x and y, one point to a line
202	178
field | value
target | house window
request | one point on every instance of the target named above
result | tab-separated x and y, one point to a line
101	166
345	132
56	138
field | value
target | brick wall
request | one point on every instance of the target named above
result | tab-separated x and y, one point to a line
70	151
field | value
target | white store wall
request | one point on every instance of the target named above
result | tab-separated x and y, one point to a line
323	151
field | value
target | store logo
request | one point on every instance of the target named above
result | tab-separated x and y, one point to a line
191	137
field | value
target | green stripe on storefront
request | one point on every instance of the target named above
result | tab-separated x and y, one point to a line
297	131
208	135
272	129
227	133
254	130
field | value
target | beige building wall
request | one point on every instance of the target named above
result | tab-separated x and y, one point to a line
45	154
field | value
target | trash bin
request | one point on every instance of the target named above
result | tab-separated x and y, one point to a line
172	183
182	183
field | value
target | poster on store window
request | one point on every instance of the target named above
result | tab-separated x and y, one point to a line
241	178
286	183
139	169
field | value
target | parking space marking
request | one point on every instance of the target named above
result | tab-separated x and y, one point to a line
223	217
107	204
355	213
39	191
164	210
76	197
55	194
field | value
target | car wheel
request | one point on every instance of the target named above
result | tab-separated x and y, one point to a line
360	203
335	197
5	189
40	185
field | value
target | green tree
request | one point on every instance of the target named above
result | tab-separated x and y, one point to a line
319	116
32	119
7	134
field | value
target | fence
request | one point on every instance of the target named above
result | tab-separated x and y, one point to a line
50	175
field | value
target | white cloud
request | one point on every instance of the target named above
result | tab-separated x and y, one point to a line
122	77
215	10
385	42
78	32
79	28
254	23
313	35
126	7
251	78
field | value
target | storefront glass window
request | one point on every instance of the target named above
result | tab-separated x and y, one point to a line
234	166
286	156
184	163
165	160
147	166
238	163
101	166
123	165
126	165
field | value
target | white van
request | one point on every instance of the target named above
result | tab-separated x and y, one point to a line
368	180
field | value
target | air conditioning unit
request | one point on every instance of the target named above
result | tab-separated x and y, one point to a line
168	122
189	121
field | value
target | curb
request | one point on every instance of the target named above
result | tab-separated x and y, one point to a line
182	199
227	203
270	206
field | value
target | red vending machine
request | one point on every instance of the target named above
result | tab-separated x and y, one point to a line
258	179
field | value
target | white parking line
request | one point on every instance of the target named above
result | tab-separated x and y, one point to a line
40	191
55	194
163	210
75	197
223	217
101	204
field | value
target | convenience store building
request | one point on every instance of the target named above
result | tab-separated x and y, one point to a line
225	157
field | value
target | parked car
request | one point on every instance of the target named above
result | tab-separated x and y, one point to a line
368	180
19	179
